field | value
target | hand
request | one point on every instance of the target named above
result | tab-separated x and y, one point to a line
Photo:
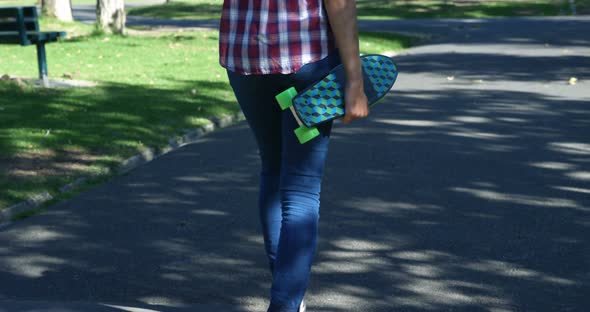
355	102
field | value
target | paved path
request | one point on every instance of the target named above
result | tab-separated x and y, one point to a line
86	13
468	189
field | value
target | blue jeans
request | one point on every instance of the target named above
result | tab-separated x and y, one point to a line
290	178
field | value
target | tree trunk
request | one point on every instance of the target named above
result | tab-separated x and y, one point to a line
60	9
110	16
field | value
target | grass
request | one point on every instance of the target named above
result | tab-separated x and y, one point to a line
377	42
50	137
192	9
403	9
150	89
73	29
369	9
387	9
34	2
583	6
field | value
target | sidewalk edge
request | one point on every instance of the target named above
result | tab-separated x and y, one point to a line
33	202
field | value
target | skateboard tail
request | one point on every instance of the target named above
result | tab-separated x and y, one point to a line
304	134
285	98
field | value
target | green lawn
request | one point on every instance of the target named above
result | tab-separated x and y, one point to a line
583	6
34	2
369	9
190	9
151	88
386	9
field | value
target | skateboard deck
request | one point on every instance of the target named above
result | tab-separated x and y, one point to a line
324	100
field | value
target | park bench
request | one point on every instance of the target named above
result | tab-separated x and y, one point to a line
20	25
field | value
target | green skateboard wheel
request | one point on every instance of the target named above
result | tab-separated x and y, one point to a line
305	134
285	98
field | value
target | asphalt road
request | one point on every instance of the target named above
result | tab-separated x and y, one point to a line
467	189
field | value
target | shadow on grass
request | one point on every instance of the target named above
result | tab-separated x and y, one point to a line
176	10
379	9
387	9
51	137
549	32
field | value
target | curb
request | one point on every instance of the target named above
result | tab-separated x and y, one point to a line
7	215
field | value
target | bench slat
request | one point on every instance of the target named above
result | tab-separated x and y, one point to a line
30	25
33	37
45	36
8	12
28	11
9	37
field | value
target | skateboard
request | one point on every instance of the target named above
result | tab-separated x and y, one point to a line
324	100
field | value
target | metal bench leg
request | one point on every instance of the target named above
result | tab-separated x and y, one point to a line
42	61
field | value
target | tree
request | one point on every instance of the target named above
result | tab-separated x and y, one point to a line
60	9
110	16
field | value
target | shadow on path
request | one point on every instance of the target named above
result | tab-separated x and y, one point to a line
449	197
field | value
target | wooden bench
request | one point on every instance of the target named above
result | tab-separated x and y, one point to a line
20	25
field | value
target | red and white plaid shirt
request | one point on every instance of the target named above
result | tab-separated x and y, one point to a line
273	36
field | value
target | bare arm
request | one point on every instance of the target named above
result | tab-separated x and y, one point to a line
343	21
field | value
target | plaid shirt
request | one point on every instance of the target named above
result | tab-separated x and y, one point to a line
273	36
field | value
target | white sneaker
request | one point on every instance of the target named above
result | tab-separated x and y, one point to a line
302	306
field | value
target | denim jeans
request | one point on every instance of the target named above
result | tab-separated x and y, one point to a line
290	178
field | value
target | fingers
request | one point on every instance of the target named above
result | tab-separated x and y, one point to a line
349	117
356	103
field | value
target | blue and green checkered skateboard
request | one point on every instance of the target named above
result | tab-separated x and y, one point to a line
324	100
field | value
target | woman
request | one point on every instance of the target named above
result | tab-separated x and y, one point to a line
268	46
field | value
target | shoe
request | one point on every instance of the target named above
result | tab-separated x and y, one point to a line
302	306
